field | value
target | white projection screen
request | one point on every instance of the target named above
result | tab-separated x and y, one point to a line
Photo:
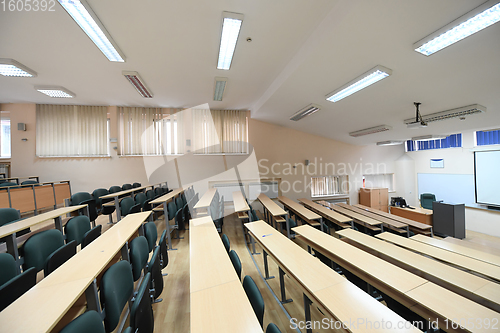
487	177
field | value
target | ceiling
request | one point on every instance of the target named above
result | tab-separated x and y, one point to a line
300	52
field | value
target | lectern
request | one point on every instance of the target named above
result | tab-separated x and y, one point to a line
449	219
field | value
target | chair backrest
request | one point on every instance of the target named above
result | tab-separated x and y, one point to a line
172	209
255	298
126	205
164	188
59	257
186	213
136	185
226	242
114	189
40	246
184	200
291	222
426	200
17	286
76	228
179	219
8	215
8	269
236	262
127	187
140	198
141	311
99	193
89	321
150	194
29	182
163	249
139	255
5	184
117	285
158	191
91	235
272	328
80	197
178	202
151	233
154	268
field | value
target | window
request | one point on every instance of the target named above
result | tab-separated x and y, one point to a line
385	180
71	130
329	185
484	138
452	141
5	134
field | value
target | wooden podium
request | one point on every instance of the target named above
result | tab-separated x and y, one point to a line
449	219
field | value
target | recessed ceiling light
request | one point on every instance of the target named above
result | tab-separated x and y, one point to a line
138	83
364	80
55	92
10	67
371	130
428	137
466	25
307	111
85	17
389	143
231	25
220	87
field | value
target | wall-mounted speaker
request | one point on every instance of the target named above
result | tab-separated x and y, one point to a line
21	126
307	162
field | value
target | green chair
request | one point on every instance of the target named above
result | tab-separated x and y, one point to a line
8	268
91	235
172	209
128	206
30	182
154	267
179	222
272	328
59	257
39	247
8	184
84	198
9	215
136	185
116	288
88	322
127	187
16	287
151	233
236	262
141	311
114	189
226	243
103	209
150	194
426	200
139	255
140	198
76	228
158	192
255	298
163	250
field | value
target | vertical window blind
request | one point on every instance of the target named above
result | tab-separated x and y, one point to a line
452	141
5	134
488	138
329	185
71	130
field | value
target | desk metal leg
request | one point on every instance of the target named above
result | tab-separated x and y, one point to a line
307	310
124	251
167	226
309	249
253	244
282	287
408	231
322	224
93	298
266	268
12	249
288	229
117	208
58	222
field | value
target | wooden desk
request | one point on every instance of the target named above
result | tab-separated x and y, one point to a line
53	297
9	230
453	279
477	244
334	295
341	220
240	205
217	299
396	226
418	214
465	251
272	212
302	212
416	227
456	259
206	201
364	221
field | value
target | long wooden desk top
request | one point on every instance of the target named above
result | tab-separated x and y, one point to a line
327	213
49	300
451	278
271	206
336	295
456	259
167	197
240	204
354	215
11	228
415	224
299	209
206	199
374	216
217	299
483	245
465	251
125	192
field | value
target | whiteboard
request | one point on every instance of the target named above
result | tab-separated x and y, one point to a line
447	187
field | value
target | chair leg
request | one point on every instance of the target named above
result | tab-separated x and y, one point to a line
110	219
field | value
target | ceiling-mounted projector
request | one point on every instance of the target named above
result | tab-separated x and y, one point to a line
418	123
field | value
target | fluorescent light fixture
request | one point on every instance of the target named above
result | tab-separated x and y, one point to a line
364	80
307	111
453	113
220	86
85	17
415	125
231	25
55	92
138	83
371	130
389	143
10	67
428	137
466	25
